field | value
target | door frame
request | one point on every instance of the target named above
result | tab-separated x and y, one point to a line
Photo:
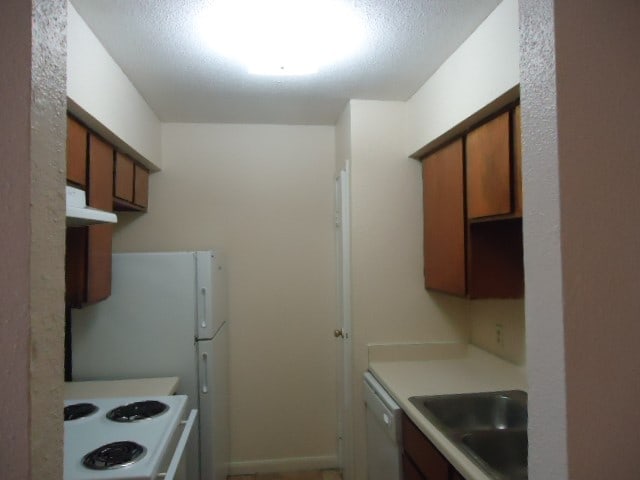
344	349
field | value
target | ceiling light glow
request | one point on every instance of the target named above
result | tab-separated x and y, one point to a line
282	37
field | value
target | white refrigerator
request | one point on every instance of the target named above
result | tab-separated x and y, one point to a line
166	316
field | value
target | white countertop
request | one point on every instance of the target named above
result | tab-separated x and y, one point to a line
138	387
444	369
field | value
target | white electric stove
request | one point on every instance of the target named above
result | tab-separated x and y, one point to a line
129	438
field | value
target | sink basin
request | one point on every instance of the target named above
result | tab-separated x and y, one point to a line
490	427
504	451
475	411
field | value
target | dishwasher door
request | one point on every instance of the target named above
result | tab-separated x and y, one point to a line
384	452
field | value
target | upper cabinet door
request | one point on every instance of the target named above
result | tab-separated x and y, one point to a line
76	152
100	188
489	190
124	168
444	224
141	189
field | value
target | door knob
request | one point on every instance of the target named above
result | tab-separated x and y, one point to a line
339	333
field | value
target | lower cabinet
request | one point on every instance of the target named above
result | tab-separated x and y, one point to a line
456	476
409	470
421	460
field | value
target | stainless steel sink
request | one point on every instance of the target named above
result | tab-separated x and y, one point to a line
476	411
505	451
491	427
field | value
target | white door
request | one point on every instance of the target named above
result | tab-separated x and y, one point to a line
343	328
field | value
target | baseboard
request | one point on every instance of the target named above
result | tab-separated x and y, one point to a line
278	465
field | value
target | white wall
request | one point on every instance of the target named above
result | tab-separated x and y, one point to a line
389	302
264	194
101	95
481	70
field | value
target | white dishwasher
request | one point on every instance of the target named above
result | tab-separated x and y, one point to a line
384	449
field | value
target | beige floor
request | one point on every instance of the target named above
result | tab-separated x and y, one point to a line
317	475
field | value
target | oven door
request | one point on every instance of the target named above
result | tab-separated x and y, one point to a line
173	466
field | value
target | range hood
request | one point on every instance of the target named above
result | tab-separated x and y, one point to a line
79	214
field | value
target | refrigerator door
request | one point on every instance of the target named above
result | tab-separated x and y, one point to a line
211	294
213	367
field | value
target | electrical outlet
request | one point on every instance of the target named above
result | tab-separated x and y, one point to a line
499	335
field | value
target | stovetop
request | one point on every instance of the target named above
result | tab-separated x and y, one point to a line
138	435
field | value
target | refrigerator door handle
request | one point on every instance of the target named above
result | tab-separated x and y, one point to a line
205	387
203	323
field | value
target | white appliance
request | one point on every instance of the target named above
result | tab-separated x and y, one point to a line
384	434
166	316
125	438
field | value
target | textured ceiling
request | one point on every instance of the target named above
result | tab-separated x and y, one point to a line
156	45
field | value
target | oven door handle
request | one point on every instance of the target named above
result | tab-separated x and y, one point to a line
182	443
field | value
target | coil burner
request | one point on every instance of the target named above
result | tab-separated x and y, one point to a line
136	411
114	455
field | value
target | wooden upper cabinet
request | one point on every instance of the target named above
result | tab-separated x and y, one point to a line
517	161
489	171
111	179
131	185
475	252
444	222
108	178
141	190
76	152
123	177
100	187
